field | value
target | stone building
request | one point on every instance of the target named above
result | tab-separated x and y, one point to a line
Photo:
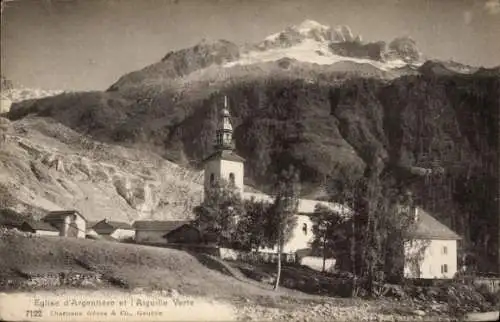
70	223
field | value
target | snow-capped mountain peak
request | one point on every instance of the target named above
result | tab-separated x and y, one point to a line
308	24
313	42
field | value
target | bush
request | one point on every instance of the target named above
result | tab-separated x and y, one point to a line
492	298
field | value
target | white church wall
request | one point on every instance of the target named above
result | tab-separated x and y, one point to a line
301	236
211	167
236	168
316	263
222	169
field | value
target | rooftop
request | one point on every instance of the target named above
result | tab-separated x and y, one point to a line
429	227
39	225
306	206
225	155
114	224
60	214
159	225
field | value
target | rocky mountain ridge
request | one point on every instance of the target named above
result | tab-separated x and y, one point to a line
10	93
320	118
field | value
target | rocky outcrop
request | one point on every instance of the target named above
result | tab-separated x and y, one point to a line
374	51
182	62
99	183
406	49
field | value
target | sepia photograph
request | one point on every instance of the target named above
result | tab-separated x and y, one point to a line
250	160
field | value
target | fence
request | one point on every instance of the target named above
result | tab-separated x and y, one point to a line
255	257
229	253
492	283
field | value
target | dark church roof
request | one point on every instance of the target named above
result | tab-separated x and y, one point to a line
225	155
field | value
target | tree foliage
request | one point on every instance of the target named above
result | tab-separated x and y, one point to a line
251	226
217	217
328	232
282	221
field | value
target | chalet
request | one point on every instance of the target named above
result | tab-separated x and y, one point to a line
115	229
437	242
183	233
10	219
90	230
70	223
39	228
153	231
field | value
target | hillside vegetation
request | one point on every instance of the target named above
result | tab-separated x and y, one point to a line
320	118
131	266
126	269
46	166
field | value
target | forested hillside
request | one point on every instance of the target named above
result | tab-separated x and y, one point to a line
428	120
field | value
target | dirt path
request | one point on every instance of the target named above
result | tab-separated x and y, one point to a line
117	305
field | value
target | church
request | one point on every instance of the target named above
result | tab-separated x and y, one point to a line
440	255
226	164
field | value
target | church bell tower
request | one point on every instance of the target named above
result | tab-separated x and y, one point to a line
224	163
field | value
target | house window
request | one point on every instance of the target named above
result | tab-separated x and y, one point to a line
212	179
444	268
445	250
231	178
304	229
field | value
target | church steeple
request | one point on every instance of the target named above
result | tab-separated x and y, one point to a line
224	163
224	132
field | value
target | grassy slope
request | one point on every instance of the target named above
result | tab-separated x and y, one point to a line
139	266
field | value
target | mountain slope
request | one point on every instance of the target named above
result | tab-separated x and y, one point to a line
318	117
47	166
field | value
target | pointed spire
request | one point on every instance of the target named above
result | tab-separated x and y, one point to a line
224	133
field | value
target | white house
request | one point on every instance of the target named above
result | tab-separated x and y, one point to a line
225	164
437	245
70	223
115	229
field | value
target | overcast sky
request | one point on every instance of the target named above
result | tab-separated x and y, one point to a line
88	44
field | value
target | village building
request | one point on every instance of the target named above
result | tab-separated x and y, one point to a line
115	229
183	233
39	228
430	249
90	230
154	231
437	244
226	164
70	223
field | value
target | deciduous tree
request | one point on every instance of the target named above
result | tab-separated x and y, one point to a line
250	227
327	232
218	215
282	219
